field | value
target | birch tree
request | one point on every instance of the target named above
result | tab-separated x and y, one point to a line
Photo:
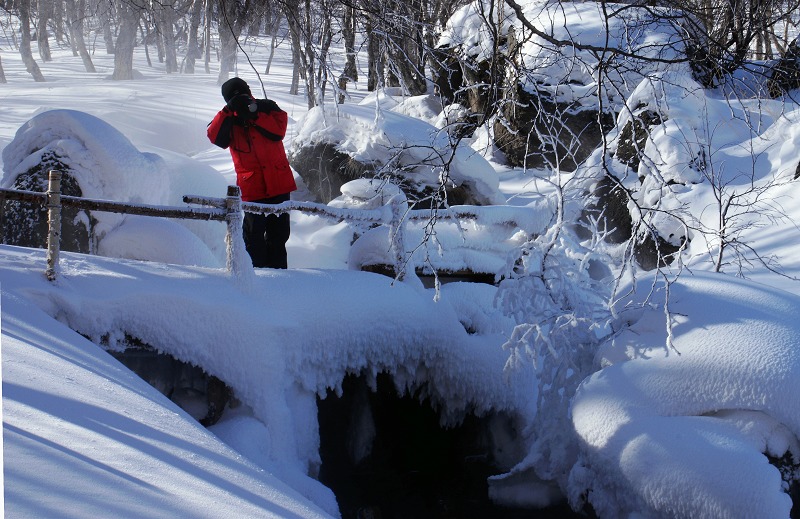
129	13
233	15
74	16
192	44
45	12
25	52
165	24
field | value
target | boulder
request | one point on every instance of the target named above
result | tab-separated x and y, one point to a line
325	170
333	148
785	75
610	207
25	224
633	137
573	132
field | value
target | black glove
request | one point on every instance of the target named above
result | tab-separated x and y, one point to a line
267	105
245	107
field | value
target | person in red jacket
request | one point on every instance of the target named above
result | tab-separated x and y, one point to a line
253	130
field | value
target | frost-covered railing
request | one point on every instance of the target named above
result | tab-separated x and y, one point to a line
396	214
54	200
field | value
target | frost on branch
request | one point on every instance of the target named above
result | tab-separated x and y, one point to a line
559	301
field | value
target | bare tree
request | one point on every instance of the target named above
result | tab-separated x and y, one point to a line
309	28
74	15
273	26
743	202
233	15
735	31
165	16
31	66
106	12
192	45
350	72
129	14
45	10
209	4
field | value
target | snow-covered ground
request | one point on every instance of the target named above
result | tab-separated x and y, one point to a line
663	431
279	341
85	437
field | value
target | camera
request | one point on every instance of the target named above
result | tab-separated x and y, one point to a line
243	103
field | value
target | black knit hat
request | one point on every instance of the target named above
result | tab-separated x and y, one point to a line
234	87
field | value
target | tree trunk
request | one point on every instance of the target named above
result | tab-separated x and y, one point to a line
75	20
58	23
349	34
104	11
308	60
230	28
145	38
2	73
294	88
326	39
45	8
126	40
298	56
167	35
156	38
71	17
274	28
405	46
374	59
301	29
192	47
207	37
25	41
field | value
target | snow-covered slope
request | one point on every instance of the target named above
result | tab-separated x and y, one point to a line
680	432
277	343
85	437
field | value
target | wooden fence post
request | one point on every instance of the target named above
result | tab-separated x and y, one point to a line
53	223
233	205
397	235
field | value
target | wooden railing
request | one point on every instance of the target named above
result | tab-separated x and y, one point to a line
395	214
54	201
226	209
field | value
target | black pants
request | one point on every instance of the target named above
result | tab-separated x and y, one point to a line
265	236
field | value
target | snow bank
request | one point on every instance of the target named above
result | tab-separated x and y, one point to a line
104	162
287	338
107	166
478	239
85	437
681	433
567	72
477	246
410	147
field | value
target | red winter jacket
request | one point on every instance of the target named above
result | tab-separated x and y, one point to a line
262	169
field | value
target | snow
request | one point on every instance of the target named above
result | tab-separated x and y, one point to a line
374	134
365	328
569	73
90	144
660	426
659	431
83	436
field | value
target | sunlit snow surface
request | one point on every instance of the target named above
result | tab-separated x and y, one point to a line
680	432
85	437
278	342
671	432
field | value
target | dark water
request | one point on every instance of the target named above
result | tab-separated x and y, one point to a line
415	468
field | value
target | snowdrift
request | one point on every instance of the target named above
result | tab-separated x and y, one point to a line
680	432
